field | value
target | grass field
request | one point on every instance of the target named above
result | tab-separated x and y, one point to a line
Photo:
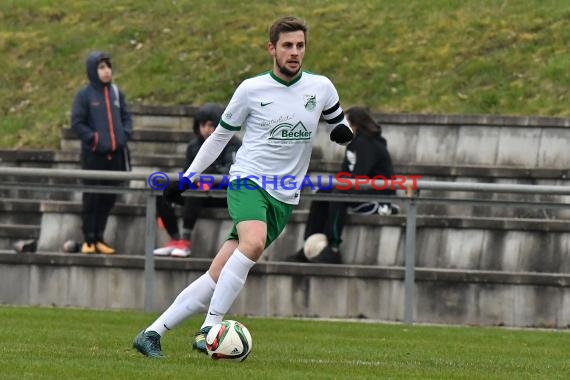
49	343
429	56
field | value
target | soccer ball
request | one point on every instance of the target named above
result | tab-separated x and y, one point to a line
229	340
314	245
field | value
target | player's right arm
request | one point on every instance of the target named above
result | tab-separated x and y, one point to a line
228	156
231	121
207	154
209	151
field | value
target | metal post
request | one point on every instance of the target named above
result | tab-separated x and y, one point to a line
409	279
150	239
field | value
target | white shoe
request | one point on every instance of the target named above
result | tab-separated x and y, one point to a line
167	249
180	252
384	210
182	249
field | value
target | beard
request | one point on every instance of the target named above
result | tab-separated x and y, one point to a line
283	70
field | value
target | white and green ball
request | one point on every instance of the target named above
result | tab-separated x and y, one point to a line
229	340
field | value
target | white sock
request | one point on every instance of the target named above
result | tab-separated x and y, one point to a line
231	281
190	301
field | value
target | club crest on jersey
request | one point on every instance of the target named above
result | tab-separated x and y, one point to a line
310	102
286	132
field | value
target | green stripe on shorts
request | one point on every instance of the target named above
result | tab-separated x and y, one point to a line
248	201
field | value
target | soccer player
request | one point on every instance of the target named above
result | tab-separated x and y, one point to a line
279	111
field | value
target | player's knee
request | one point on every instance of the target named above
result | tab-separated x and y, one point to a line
253	246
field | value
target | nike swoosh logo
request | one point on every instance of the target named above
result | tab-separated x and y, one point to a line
265	104
212	313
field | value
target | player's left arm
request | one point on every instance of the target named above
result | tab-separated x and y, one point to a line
342	134
339	129
235	112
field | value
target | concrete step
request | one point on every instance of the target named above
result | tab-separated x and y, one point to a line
138	146
150	162
160	141
535	142
442	242
300	216
10	233
20	211
289	289
172	159
168	141
160	117
151	135
448	208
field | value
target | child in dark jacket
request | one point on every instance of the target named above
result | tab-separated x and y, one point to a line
102	122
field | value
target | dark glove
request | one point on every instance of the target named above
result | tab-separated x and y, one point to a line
341	134
173	192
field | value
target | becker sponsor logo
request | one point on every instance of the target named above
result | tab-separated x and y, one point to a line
290	132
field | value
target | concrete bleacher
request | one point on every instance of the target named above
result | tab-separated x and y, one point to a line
453	242
459	246
443	148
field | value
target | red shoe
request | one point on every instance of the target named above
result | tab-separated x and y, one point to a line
182	249
167	249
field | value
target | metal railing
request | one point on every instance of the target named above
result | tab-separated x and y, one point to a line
411	199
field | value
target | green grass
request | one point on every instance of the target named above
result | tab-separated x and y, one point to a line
53	343
429	56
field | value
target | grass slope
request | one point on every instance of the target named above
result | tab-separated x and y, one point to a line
58	344
429	56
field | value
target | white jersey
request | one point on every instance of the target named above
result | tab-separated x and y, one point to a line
280	120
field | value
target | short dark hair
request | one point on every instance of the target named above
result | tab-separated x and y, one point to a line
208	112
285	25
104	57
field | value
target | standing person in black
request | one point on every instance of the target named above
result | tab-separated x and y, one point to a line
366	155
206	120
102	122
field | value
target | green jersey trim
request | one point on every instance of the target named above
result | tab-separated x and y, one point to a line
285	83
229	127
310	72
262	74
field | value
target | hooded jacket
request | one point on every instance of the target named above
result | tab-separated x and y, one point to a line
368	156
99	113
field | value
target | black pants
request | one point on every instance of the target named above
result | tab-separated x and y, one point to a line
190	212
329	217
97	206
